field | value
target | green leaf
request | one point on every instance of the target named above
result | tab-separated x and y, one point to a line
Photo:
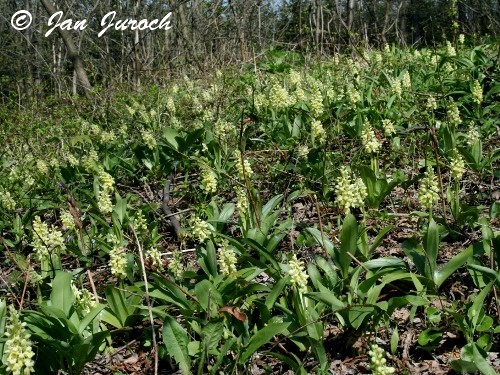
358	314
477	305
348	243
380	236
394	340
176	342
276	292
429	337
208	296
486	271
386	262
89	317
170	136
62	296
120	208
260	338
453	264
227	212
431	247
471	353
328	298
117	304
324	242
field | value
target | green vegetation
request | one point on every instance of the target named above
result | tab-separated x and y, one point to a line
257	219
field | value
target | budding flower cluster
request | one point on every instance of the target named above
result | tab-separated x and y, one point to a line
226	258
318	132
67	220
317	104
396	87
472	135
90	159
200	229
117	257
298	275
453	113
107	137
461	38
153	254
241	201
18	346
349	193
352	94
107	182
294	77
406	80
378	361
208	180
428	193
477	92
83	298
388	127
431	103
46	240
170	105
6	201
222	129
457	165
370	142
41	166
299	94
450	50
302	151
175	265
148	139
243	166
71	160
279	97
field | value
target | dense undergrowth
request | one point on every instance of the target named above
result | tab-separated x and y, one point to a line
248	221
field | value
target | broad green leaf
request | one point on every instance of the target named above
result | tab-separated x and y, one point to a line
453	264
431	247
117	303
227	212
170	136
473	354
348	243
276	292
328	298
394	340
208	296
176	342
120	208
379	238
477	305
62	296
324	242
358	314
89	317
271	204
386	262
260	338
429	337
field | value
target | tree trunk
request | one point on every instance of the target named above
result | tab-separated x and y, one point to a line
72	50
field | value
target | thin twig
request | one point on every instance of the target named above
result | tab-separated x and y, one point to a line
166	208
148	301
